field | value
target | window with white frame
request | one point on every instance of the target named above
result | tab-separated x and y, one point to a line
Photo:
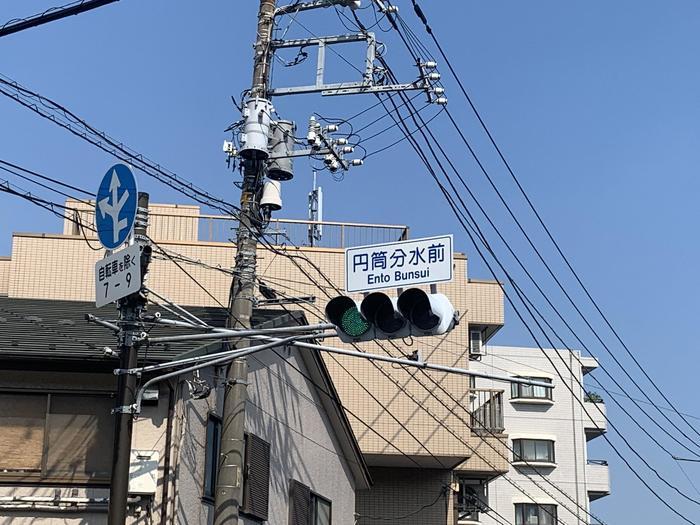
536	450
520	391
533	514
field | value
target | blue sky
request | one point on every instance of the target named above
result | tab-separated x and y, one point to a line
595	104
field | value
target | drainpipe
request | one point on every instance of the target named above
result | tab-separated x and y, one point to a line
168	447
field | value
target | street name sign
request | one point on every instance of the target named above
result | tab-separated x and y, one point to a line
115	206
118	275
398	264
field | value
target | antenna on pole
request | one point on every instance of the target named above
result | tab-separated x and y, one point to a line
315	213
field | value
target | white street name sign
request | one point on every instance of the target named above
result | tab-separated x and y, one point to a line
398	264
118	275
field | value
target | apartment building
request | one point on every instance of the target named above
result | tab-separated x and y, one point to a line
413	429
548	431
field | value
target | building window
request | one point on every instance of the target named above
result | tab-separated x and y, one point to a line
56	437
532	514
520	391
320	510
256	478
306	507
471	499
540	450
211	459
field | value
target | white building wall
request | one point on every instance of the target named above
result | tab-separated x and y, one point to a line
563	420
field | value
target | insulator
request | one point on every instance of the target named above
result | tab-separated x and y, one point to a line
442	101
392	9
341	142
357	162
331	128
438	90
429	65
314	128
348	149
434	76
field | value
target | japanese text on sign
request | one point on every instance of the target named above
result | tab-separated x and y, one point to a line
117	275
398	264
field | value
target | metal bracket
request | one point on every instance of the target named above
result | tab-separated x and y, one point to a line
366	85
302	153
128	409
287	300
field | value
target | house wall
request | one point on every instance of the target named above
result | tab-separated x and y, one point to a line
563	420
148	434
285	410
406	496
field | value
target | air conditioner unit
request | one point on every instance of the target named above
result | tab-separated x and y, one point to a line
476	345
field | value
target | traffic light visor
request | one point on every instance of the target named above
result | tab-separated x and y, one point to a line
414	304
379	309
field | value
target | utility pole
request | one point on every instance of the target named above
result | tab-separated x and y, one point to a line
229	485
130	308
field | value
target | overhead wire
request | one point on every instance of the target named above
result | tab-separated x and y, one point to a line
317	269
547	230
517	311
631	448
477	202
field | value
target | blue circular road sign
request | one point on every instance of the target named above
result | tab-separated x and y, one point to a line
115	208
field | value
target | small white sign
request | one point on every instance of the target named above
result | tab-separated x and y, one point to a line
398	264
118	275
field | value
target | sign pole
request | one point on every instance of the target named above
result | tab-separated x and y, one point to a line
130	308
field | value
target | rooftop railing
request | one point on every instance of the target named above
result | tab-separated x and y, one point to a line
175	226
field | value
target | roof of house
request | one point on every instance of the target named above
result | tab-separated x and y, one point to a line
57	330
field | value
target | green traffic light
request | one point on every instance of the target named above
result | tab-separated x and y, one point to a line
352	322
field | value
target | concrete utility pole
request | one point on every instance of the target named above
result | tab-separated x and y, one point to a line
130	308
229	485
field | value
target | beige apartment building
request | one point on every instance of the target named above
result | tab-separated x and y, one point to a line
413	428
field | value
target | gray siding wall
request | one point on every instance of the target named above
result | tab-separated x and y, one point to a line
285	410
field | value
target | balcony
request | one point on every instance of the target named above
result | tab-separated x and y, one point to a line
597	479
486	407
597	424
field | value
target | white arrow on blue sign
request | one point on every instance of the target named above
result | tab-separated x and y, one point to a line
115	208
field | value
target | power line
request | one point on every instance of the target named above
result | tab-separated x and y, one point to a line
423	18
447	196
532	334
49	15
452	205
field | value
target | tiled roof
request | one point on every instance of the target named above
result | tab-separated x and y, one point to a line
57	330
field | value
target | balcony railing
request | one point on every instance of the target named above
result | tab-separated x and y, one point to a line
597	478
598	423
192	226
486	410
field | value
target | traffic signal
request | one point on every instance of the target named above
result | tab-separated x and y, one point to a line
379	316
